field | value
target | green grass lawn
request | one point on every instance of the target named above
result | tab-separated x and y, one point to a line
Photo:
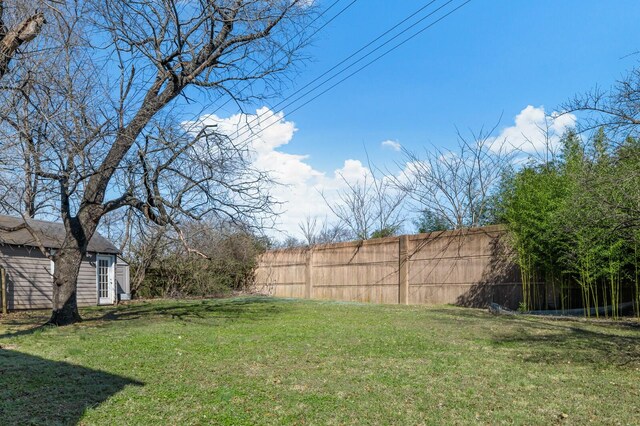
272	361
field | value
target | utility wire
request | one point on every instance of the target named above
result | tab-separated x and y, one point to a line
258	117
277	106
380	56
344	9
366	46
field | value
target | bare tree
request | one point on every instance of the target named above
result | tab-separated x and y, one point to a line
617	108
20	23
543	149
221	257
456	186
309	228
18	34
615	111
23	143
369	207
289	242
116	138
320	231
140	242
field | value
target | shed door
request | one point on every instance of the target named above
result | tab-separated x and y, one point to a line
106	279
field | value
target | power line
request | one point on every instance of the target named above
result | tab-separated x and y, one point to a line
366	46
362	58
381	56
422	8
344	9
258	117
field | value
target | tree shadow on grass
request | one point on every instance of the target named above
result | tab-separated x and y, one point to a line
446	314
35	390
554	340
203	311
568	341
24	319
246	308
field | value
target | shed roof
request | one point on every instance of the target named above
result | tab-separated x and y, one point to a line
51	234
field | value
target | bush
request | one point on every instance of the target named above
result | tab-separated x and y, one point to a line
214	262
575	225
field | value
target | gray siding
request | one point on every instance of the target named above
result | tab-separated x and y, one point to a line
122	276
87	285
29	280
28	274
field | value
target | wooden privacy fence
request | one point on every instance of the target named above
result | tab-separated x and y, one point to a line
470	267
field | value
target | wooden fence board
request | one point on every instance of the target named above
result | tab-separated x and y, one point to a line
467	267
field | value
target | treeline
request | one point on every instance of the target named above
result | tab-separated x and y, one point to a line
574	223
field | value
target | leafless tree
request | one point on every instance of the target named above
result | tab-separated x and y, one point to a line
310	228
544	149
20	23
616	108
457	185
369	207
141	242
21	30
23	143
319	231
333	233
221	258
615	113
289	242
110	90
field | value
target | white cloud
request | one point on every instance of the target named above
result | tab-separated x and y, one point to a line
535	131
301	185
391	144
352	171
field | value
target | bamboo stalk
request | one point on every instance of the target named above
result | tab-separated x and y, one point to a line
637	280
4	291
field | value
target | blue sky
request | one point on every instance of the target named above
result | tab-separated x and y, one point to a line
489	59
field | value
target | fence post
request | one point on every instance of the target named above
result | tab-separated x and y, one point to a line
403	270
3	279
308	289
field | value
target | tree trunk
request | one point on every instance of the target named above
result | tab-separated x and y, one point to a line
11	41
65	277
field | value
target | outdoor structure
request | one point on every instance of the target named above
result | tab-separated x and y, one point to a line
103	277
470	267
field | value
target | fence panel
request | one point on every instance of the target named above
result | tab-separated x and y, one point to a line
471	267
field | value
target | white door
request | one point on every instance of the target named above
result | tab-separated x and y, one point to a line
105	275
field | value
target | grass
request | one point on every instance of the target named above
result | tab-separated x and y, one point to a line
271	361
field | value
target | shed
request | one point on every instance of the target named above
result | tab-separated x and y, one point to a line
103	276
